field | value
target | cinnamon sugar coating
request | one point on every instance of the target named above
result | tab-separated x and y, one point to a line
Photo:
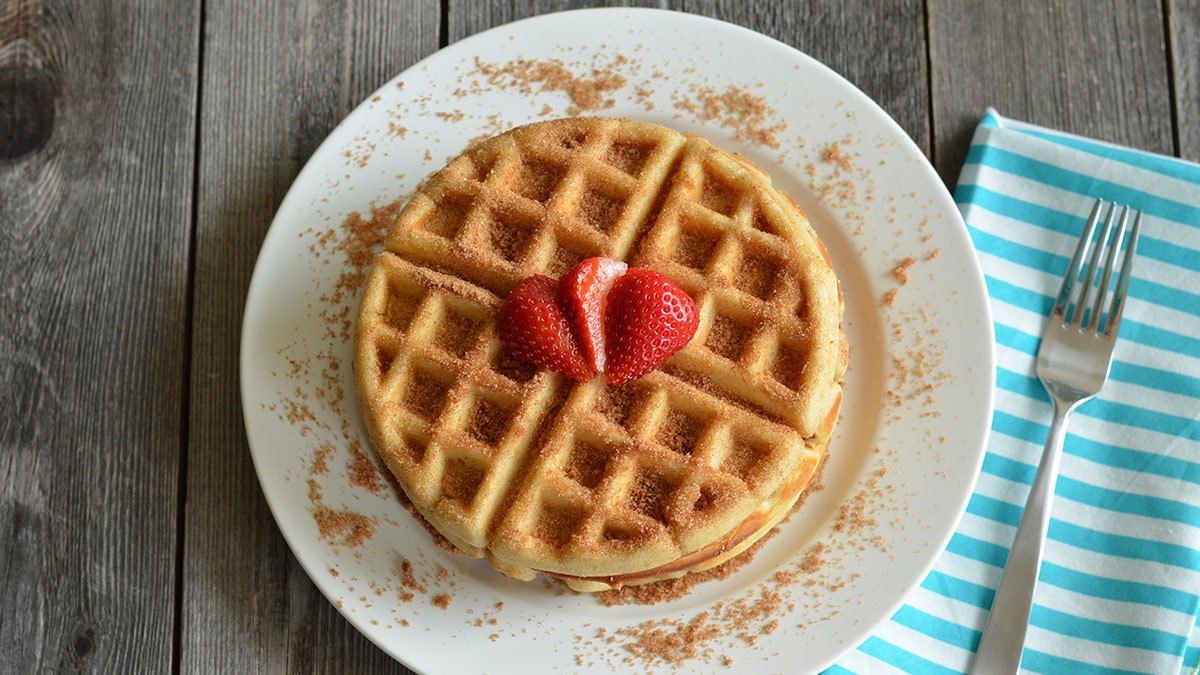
601	486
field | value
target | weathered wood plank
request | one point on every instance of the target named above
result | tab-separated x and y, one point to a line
277	77
96	175
1185	48
1096	69
467	17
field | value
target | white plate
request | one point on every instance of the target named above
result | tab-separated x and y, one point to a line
918	393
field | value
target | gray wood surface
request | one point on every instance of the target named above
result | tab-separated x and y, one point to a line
1095	68
95	229
143	152
1183	30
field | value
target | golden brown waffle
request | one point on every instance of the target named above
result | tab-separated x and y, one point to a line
597	484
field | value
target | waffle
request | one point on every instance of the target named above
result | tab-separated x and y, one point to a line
599	485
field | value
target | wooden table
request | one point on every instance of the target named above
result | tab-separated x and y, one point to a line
144	148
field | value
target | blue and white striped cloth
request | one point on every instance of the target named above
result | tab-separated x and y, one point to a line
1120	586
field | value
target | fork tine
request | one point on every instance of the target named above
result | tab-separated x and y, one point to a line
1118	301
1118	236
1089	276
1063	301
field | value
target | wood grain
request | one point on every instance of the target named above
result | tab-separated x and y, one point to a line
1184	32
94	231
276	79
1094	68
465	17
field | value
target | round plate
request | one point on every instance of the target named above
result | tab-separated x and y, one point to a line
918	399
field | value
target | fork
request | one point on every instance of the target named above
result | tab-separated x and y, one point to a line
1073	363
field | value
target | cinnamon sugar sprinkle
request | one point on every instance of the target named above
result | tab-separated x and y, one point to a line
591	88
351	247
339	525
747	114
587	93
901	271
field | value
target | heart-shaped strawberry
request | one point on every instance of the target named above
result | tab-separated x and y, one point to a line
601	317
581	294
533	328
647	319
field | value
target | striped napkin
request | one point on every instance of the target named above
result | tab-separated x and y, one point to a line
1120	585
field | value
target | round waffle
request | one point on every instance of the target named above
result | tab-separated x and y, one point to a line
600	485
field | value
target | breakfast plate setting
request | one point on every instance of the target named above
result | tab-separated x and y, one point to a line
918	392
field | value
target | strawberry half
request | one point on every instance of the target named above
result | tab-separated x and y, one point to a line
648	319
533	328
581	294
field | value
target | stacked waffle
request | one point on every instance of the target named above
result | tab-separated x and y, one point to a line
601	485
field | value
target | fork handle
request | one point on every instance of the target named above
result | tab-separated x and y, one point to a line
1003	639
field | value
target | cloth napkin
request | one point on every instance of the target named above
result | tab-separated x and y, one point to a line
1120	585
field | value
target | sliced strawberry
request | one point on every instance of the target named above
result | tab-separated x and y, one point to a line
581	294
532	328
648	319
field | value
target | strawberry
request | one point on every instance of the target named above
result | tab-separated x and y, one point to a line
533	328
648	319
581	295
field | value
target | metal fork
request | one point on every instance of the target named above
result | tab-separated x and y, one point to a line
1072	363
